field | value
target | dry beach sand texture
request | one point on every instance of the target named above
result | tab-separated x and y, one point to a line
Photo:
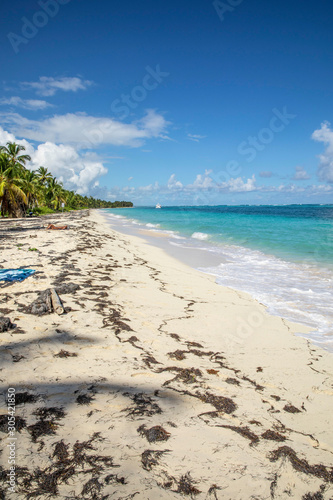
156	383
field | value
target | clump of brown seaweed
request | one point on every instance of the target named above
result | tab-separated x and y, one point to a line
149	458
65	354
243	431
47	424
67	463
143	405
156	433
273	435
301	465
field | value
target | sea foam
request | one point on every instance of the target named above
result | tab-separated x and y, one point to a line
200	236
295	291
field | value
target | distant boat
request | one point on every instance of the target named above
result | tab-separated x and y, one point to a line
158	206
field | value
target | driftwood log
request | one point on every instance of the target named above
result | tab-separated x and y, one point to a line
56	302
47	302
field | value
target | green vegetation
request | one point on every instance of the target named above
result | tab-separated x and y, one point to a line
24	191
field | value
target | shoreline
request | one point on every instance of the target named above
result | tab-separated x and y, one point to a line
298	292
194	388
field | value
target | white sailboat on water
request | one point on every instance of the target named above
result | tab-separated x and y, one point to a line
158	206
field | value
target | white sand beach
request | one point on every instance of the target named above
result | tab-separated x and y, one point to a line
157	383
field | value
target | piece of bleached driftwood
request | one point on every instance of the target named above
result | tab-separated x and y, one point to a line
56	302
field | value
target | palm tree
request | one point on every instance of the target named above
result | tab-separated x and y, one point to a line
71	199
55	193
13	151
4	163
50	189
59	197
12	196
29	184
43	175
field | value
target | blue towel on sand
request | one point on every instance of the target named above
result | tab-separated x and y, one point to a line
15	274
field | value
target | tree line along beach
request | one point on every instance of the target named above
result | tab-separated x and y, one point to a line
36	192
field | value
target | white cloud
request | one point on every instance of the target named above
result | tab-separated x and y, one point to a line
233	185
322	188
300	174
239	186
78	172
84	180
48	86
5	137
325	135
173	183
202	182
153	123
287	188
150	187
32	104
195	137
8	137
83	131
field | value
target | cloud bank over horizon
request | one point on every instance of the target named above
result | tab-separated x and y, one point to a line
81	170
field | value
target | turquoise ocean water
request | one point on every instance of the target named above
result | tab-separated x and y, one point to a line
281	255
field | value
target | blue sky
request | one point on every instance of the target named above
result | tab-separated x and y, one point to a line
191	102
